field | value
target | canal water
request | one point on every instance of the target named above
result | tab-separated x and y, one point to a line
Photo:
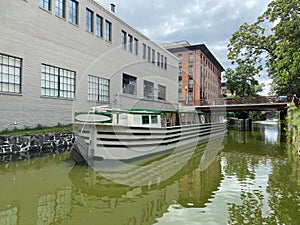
254	178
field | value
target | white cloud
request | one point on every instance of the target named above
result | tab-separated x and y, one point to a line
173	24
250	3
211	22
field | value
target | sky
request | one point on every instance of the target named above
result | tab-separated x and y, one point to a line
209	22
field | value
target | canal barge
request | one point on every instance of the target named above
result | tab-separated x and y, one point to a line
112	134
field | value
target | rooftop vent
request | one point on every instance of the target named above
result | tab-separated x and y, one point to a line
113	7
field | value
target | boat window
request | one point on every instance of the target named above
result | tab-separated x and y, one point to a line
145	119
154	119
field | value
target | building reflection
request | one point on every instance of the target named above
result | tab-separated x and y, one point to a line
9	216
34	190
46	191
198	186
143	204
54	207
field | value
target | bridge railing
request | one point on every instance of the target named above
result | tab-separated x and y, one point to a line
244	100
251	100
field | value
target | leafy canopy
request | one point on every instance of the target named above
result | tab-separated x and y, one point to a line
273	40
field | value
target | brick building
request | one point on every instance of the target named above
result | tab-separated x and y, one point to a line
199	74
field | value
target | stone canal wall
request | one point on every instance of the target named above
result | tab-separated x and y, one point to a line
37	142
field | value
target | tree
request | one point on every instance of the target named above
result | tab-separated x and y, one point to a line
274	39
242	81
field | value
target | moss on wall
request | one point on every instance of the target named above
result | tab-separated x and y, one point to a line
294	126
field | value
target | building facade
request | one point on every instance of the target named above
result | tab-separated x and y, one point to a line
225	91
199	74
62	56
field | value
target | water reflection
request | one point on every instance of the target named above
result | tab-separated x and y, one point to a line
269	191
143	204
34	190
254	180
269	130
51	190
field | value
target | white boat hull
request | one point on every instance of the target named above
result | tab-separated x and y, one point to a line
116	142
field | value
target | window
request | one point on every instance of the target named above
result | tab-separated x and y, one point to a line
180	86
166	63
89	20
161	92
154	119
10	74
99	26
153	56
180	72
190	83
148	89
129	84
130	43
98	89
149	54
144	51
60	8
123	39
179	96
108	31
190	96
180	58
45	4
57	82
73	12
162	61
158	59
191	57
191	70
136	46
145	119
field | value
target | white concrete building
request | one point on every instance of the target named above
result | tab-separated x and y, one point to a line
58	56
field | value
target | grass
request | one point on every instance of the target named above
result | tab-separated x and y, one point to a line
39	129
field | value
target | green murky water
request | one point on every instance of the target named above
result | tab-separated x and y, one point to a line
255	179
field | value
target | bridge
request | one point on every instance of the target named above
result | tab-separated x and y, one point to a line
243	107
250	104
259	103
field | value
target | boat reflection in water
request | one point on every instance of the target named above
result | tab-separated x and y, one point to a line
51	190
117	203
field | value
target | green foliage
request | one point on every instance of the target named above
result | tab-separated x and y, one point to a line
38	130
294	115
275	40
230	114
242	82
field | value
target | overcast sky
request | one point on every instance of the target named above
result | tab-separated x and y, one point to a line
209	22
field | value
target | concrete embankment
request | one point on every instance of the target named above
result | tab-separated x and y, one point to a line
37	142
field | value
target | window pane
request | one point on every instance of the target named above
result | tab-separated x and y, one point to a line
10	74
57	82
60	8
89	20
108	30
129	84
148	89
96	85
73	11
99	26
45	4
161	92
